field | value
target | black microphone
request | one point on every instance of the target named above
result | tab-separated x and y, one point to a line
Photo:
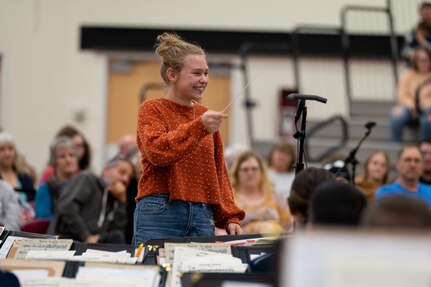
307	97
370	125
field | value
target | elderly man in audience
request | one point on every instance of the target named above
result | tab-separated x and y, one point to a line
10	216
92	209
410	167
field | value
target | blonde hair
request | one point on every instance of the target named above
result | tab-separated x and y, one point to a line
265	185
19	162
172	50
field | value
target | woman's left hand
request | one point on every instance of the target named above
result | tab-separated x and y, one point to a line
234	229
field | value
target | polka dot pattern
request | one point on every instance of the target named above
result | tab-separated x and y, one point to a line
180	158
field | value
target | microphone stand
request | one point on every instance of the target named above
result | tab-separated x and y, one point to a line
351	158
300	136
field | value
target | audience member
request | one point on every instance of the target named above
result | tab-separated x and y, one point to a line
92	209
265	211
302	189
281	171
82	150
336	204
398	212
420	36
126	145
10	216
133	155
425	147
375	174
412	108
409	166
64	160
12	172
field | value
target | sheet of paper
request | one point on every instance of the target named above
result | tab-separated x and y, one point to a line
7	245
40	244
54	268
92	255
182	254
382	272
50	255
139	275
30	274
221	248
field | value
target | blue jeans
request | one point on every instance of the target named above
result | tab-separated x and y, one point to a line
156	216
401	116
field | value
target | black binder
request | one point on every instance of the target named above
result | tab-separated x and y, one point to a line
217	279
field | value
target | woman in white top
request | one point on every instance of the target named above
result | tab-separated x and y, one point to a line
281	171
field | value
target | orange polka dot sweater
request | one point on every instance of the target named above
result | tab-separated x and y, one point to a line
182	159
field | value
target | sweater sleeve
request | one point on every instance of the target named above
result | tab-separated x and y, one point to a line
162	146
43	202
71	199
227	212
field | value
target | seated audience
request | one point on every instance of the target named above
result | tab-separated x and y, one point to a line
425	147
281	171
375	174
302	189
10	216
336	204
63	158
265	211
411	109
409	166
398	212
92	208
82	150
419	36
12	172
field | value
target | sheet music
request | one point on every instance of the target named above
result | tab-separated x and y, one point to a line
7	245
145	276
92	255
50	255
54	268
221	248
213	261
24	246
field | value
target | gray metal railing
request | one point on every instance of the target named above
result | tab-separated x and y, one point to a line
346	43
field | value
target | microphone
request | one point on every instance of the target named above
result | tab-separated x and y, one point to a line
306	97
370	125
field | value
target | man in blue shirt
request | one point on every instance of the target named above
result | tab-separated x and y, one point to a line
410	167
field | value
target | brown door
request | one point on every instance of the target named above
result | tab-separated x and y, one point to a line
125	82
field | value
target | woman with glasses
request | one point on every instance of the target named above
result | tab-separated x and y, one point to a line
266	212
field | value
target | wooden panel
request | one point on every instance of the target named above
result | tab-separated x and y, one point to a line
123	96
0	91
125	83
216	97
